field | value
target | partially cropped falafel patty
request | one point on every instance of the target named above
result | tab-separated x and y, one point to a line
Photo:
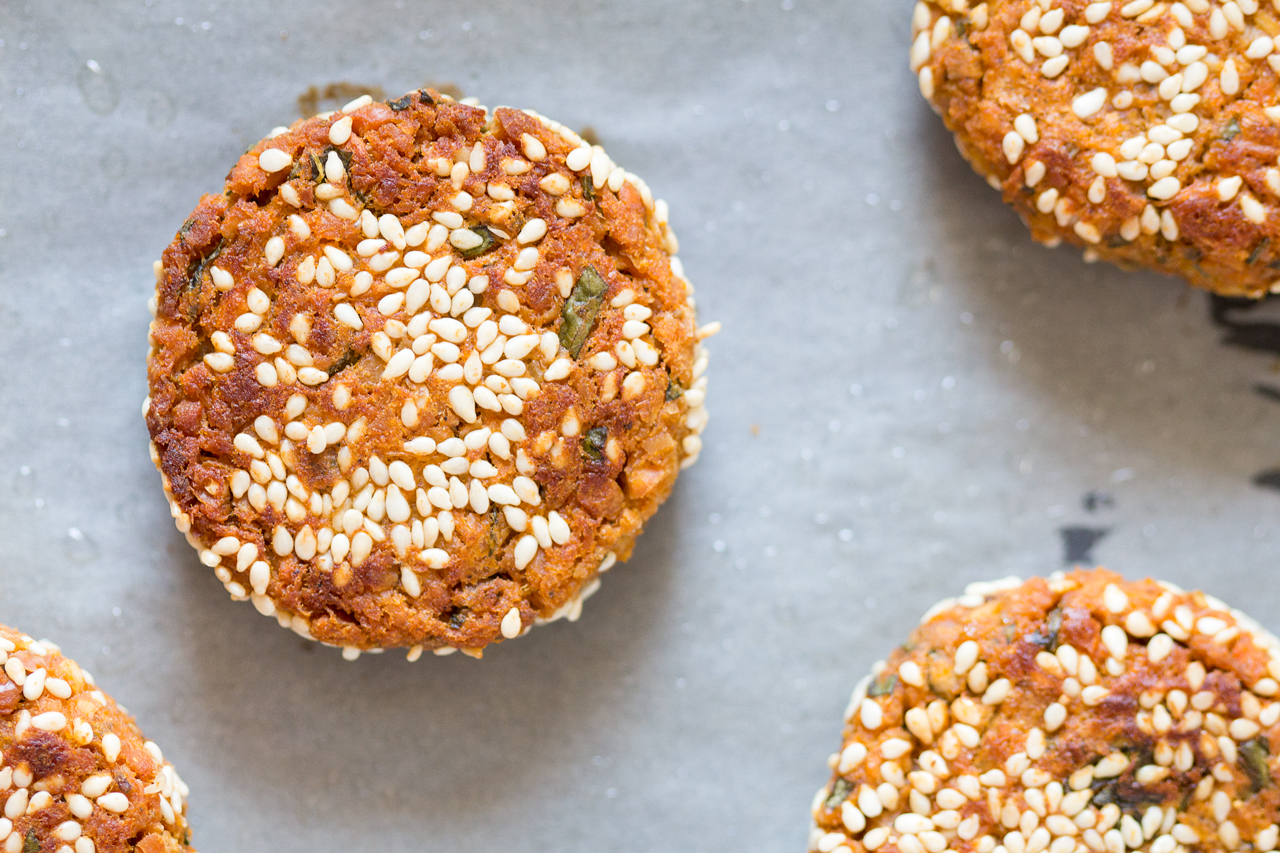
1082	714
421	373
77	776
1145	131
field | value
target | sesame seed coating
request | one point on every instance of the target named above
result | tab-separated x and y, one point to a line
421	385
1079	714
75	772
1146	132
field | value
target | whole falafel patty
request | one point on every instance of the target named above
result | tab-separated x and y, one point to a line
421	373
76	775
1145	131
1082	714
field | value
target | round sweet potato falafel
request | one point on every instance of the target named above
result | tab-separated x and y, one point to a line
76	773
1145	131
1082	714
421	373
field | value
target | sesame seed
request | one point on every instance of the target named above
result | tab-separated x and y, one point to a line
1055	66
1088	104
532	147
1167	187
511	623
50	721
273	160
872	716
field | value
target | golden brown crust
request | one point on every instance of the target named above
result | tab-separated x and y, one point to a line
1084	714
1146	132
371	409
76	772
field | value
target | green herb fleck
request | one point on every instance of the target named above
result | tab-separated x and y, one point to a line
495	518
674	390
458	618
1257	251
425	97
344	361
593	443
1231	130
840	792
486	242
588	188
1047	634
1253	759
883	685
32	843
317	168
580	310
195	273
401	104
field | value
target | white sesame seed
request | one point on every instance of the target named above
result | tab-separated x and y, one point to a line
1114	598
273	160
966	657
511	623
527	547
910	673
274	251
1165	188
851	817
1111	766
1095	13
1055	66
114	802
312	376
533	231
342	209
1047	46
1103	55
1252	209
912	823
871	714
532	147
221	278
997	692
49	721
1073	36
924	80
1087	231
868	803
1104	165
1033	172
340	131
1025	125
219	362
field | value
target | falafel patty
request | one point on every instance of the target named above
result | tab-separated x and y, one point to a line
1145	131
76	773
1079	714
421	373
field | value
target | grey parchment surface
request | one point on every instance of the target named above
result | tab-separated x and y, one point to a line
907	395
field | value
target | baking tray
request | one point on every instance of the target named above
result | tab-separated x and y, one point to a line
907	395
